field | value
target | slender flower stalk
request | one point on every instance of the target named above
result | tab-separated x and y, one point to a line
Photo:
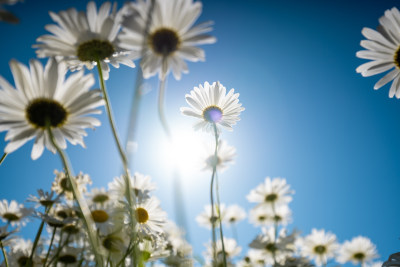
51	244
161	111
220	219
36	241
87	219
4	254
3	158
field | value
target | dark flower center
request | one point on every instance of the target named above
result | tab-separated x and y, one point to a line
397	57
95	50
11	216
46	202
164	41
43	111
271	247
71	229
23	260
261	218
141	215
320	249
113	243
66	184
212	114
67	259
100	198
271	197
359	256
100	216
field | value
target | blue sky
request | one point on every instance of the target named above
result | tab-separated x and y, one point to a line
309	118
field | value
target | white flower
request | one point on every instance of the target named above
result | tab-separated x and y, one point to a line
234	214
171	39
225	155
44	98
105	215
141	186
213	106
61	184
13	213
100	196
319	245
45	199
272	192
231	250
383	49
265	215
82	39
149	217
207	219
254	258
359	250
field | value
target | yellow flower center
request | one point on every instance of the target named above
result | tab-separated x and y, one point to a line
100	216
142	215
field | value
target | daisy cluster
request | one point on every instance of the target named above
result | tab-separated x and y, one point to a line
124	225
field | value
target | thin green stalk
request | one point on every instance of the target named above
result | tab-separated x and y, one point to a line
213	219
60	247
35	243
275	233
124	160
217	193
3	158
51	244
87	217
4	253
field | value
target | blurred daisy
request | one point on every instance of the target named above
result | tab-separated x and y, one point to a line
114	242
254	258
13	213
5	235
225	155
234	214
272	192
149	217
61	184
100	196
82	39
171	39
45	199
141	186
319	246
67	256
359	250
6	15
20	253
106	214
265	215
207	219
213	106
231	250
383	49
44	98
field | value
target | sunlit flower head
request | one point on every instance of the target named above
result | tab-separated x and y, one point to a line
207	218
225	156
254	258
13	213
45	199
272	192
265	215
213	106
383	49
171	37
100	196
231	249
81	39
149	217
43	98
319	246
108	214
234	214
114	242
359	250
20	253
62	185
141	186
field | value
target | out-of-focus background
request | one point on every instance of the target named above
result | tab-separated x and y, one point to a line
309	118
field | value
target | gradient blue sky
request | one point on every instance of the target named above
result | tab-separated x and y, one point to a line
309	118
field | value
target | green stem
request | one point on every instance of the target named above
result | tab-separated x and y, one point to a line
4	253
51	244
131	201
87	217
3	158
38	234
161	112
275	233
217	193
212	197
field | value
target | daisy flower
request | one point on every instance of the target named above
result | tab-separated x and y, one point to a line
231	250
265	215
359	250
254	258
100	196
61	184
13	213
319	246
382	48
43	98
234	214
206	218
171	37
45	199
272	192
106	214
149	217
6	15
213	106
82	39
225	155
141	186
